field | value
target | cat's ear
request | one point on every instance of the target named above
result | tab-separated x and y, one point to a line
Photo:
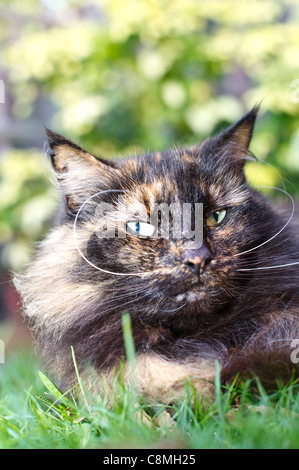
236	139
240	133
77	171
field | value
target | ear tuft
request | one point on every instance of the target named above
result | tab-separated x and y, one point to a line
233	143
56	143
55	139
240	133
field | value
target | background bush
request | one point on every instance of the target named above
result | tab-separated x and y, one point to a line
121	77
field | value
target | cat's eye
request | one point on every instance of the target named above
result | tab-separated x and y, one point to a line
141	229
216	218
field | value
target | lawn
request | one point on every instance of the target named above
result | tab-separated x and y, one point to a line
35	415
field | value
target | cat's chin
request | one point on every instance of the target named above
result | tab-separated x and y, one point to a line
191	296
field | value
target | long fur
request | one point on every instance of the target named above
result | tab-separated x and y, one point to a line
182	322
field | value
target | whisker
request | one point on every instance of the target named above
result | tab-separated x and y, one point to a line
268	267
77	245
285	225
175	309
281	339
113	306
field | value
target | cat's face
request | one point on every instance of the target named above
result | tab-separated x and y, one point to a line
164	273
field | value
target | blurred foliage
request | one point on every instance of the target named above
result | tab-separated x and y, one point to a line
26	201
147	74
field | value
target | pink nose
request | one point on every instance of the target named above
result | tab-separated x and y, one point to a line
197	260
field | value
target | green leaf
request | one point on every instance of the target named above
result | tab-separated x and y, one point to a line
50	386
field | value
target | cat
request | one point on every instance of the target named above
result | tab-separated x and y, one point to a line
222	302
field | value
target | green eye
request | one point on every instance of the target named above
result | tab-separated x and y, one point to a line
140	228
216	218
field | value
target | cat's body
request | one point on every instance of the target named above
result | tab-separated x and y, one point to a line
188	307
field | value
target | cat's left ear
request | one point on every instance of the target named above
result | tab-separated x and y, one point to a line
236	138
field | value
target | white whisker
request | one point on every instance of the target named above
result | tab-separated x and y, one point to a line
175	309
77	245
269	267
285	225
281	339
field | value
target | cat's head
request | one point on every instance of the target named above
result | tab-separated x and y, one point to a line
165	275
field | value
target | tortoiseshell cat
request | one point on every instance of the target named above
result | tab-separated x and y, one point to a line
188	307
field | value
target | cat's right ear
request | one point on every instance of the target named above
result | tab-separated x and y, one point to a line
78	171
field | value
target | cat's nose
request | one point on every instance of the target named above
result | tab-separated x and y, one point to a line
196	260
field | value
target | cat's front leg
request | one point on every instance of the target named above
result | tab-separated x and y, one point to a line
163	380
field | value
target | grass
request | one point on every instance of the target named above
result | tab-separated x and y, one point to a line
35	414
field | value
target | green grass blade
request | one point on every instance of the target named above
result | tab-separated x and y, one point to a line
128	339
